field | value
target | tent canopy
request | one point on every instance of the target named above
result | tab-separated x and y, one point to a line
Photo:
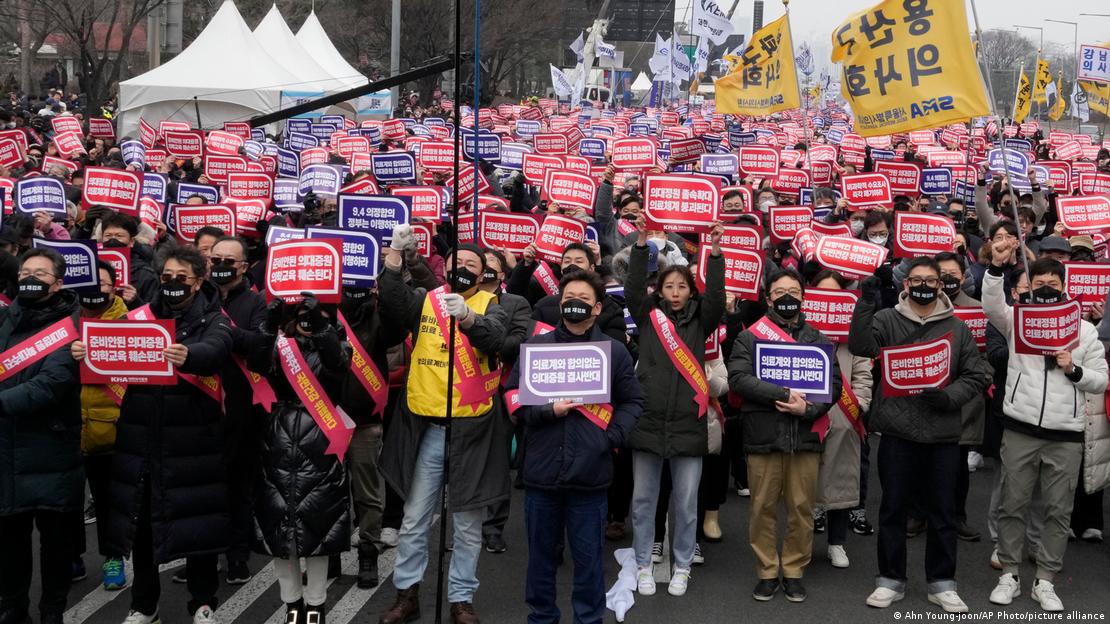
276	38
316	42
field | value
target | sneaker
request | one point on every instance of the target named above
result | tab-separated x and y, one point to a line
657	552
860	525
1008	588
390	538
838	556
1092	535
966	533
765	589
1045	595
914	527
238	573
744	492
819	521
645	581
974	461
1071	535
614	531
113	574
680	578
949	601
794	590
90	512
996	563
698	557
77	571
204	615
883	597
180	577
495	544
134	617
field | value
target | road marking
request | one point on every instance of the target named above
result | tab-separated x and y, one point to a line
242	599
349	560
99	597
347	607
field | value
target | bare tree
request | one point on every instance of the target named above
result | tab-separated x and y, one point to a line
27	24
1002	53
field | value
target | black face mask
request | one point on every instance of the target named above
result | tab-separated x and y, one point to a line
570	269
1046	294
575	310
787	306
93	301
961	250
113	243
32	289
951	286
629	216
489	276
461	279
356	294
175	294
223	275
923	295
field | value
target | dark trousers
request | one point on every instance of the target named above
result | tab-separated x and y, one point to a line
927	472
1086	511
394	511
98	472
963	484
203	580
17	564
836	526
620	490
864	470
664	503
580	516
241	428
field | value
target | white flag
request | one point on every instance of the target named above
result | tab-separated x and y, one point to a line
710	21
579	87
577	47
606	50
1050	94
702	55
681	68
560	82
660	62
1079	108
804	60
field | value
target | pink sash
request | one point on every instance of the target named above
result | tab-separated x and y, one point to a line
682	358
332	421
366	371
474	388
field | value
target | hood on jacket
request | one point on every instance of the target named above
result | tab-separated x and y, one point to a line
941	311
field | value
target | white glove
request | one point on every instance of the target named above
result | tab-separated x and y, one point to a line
456	305
403	238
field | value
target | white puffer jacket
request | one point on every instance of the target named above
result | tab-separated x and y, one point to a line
1035	395
1096	445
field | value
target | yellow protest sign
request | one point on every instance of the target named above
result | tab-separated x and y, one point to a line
1022	100
765	79
1043	78
908	65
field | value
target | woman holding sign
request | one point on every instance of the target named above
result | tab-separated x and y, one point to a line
675	321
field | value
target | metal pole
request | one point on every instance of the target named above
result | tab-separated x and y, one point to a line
804	94
1075	50
395	50
196	107
477	106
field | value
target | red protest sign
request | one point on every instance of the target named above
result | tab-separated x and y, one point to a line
830	311
759	161
685	150
535	167
864	189
578	164
1084	213
250	186
507	230
184	143
188	219
785	221
976	321
422	232
147	134
467	189
680	203
114	188
555	234
551	143
217	167
69	144
220	142
248	212
568	188
839	228
120	259
804	243
790	181
348	146
63	124
1046	328
851	256
149	211
53	161
393	130
910	369
821	172
904	177
919	234
738	236
10	156
365	186
634	153
238	128
1094	182
127	352
743	271
427	201
296	266
1087	282
101	128
17	136
314	156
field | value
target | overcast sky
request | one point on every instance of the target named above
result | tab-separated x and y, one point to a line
813	20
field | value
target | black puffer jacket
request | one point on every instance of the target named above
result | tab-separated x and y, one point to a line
168	439
40	417
301	497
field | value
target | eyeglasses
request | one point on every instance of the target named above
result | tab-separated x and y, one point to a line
37	274
779	292
180	278
228	262
914	282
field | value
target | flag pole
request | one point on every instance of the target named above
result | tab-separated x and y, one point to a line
802	93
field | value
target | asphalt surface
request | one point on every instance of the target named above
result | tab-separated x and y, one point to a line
719	591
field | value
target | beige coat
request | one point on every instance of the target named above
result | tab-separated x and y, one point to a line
838	479
1096	445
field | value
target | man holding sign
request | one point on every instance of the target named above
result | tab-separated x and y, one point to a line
1044	410
917	409
568	465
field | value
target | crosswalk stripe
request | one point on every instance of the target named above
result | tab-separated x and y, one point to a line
355	599
349	560
99	597
242	599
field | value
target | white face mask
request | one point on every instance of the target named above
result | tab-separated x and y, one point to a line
877	239
857	226
766	204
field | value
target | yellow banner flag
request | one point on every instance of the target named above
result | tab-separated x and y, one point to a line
1043	78
1098	96
909	66
765	80
1022	101
1058	106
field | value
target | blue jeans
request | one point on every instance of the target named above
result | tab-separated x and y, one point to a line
685	476
581	516
422	503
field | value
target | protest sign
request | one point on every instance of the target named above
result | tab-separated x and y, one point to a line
437	155
976	321
189	219
186	190
920	234
1013	161
296	266
686	150
127	352
250	186
743	271
65	123
570	189
80	256
248	214
783	222
10	154
217	168
376	214
551	144
69	144
40	193
507	230
904	178
427	201
225	143
680	203
1046	328
850	256
936	181
361	254
830	311
394	167
909	369
865	189
535	167
805	368
1087	282
184	143
113	188
720	164
101	128
1083	213
575	371
634	153
738	236
759	161
555	234
120	259
320	179
790	181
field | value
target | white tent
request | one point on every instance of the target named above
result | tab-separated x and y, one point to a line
316	42
276	38
225	68
642	83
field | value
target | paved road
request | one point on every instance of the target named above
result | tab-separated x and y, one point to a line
720	590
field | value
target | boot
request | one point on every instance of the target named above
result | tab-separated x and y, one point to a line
367	566
405	609
463	613
710	527
314	615
294	612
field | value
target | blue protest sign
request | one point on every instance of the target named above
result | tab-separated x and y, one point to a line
376	214
577	371
287	195
512	155
394	167
736	138
80	256
1022	145
253	149
339	121
298	124
288	163
258	134
361	254
881	154
185	190
1017	163
277	234
720	164
617	293
298	141
591	233
806	368
40	193
154	187
420	130
964	191
374	133
592	148
601	130
323	132
320	179
527	127
639	129
936	181
835	136
134	153
270	149
434	121
488	145
711	141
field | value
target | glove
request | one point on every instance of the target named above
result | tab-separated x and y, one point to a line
885	273
97	212
871	289
274	312
937	399
456	306
403	238
310	308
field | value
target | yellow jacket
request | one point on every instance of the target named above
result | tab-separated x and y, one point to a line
99	412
